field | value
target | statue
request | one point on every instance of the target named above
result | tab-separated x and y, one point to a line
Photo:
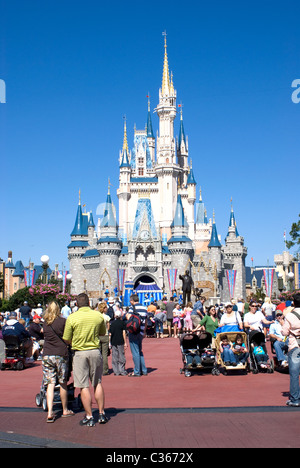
187	284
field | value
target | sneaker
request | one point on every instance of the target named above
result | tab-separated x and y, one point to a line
292	403
89	422
102	419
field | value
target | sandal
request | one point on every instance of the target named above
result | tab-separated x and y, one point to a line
51	419
69	413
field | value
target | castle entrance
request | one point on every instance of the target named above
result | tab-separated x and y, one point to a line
147	290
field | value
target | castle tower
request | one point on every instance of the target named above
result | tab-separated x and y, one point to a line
182	152
150	134
109	247
234	259
191	198
77	247
167	169
203	228
123	192
180	245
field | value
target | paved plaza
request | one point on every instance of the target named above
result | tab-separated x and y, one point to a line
164	410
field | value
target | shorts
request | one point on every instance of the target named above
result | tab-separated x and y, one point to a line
87	366
55	369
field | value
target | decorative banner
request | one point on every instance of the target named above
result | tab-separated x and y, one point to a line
269	276
29	277
231	278
121	278
172	275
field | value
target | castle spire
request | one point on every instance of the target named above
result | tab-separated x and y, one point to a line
165	89
181	129
149	128
125	142
232	221
214	240
125	150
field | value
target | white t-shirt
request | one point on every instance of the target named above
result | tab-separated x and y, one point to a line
234	319
254	320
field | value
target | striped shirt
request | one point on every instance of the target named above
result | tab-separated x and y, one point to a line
142	311
83	329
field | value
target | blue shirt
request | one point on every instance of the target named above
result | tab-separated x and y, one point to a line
197	306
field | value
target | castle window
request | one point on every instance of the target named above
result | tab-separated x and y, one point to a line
141	171
141	161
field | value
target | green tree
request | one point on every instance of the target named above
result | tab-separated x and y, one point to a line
295	235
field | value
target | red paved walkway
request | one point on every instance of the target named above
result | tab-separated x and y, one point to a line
163	410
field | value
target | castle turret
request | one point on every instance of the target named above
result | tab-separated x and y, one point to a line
79	244
150	134
109	247
180	245
123	192
234	259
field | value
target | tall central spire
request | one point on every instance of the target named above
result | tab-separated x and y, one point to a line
166	77
125	142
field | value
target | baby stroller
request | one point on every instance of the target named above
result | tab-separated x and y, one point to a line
231	338
197	353
257	339
15	354
41	397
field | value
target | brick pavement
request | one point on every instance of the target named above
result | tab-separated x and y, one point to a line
163	410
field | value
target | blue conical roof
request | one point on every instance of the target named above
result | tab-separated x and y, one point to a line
125	159
191	178
181	132
232	222
179	218
109	219
149	124
91	220
79	223
214	240
19	270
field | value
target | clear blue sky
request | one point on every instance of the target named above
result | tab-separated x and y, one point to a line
73	68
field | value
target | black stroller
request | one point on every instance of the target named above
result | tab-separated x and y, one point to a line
259	364
197	353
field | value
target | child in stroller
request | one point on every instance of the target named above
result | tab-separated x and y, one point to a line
259	358
197	353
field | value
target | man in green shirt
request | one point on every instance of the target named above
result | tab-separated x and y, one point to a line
82	331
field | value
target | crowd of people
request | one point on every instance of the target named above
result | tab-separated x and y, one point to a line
83	337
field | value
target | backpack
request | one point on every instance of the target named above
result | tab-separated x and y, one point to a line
110	312
133	325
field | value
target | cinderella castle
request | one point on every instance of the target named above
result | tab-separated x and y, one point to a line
162	228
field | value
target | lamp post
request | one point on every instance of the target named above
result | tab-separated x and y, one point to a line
45	263
60	281
69	280
291	280
280	282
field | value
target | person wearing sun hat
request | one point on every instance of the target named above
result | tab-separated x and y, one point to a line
231	317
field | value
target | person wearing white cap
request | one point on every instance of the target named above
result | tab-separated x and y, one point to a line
231	317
